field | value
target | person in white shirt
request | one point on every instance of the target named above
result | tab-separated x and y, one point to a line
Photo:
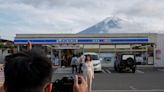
88	71
81	62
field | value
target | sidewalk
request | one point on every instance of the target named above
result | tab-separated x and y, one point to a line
112	65
141	66
63	70
55	67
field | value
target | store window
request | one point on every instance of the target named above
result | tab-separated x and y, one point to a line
107	48
91	48
107	53
123	47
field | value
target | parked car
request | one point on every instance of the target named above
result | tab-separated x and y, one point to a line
96	61
124	62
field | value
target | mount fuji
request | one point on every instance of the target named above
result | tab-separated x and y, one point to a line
115	25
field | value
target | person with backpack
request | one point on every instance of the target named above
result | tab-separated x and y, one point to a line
74	63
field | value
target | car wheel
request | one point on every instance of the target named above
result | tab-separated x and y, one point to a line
120	70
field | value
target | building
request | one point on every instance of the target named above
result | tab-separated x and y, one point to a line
6	48
148	47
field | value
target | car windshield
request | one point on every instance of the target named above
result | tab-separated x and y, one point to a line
94	57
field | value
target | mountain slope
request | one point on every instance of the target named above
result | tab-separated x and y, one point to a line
114	25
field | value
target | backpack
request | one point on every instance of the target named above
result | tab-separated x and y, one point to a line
74	61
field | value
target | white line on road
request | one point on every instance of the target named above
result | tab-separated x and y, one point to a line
108	71
103	71
153	90
138	71
162	70
131	87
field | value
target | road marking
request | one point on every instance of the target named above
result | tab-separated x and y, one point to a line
153	90
131	87
108	71
162	70
138	71
103	71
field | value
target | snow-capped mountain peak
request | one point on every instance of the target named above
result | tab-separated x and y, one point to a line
113	25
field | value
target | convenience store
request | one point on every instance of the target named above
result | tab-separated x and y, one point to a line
148	46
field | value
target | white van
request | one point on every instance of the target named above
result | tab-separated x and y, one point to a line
96	61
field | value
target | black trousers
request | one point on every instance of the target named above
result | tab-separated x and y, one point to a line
74	67
80	68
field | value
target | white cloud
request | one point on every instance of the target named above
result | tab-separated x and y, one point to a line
72	16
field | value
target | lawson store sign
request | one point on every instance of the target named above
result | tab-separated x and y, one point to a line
81	40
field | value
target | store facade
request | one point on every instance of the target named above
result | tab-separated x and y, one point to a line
63	46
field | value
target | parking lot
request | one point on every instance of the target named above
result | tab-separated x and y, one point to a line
147	79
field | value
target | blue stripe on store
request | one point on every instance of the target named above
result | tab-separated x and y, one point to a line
130	40
80	40
19	41
85	40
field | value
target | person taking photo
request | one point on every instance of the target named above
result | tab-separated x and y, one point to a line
31	71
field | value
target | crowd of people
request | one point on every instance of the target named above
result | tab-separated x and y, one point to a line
31	71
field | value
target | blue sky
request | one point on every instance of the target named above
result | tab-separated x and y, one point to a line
72	16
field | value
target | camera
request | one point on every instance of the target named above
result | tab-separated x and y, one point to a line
64	85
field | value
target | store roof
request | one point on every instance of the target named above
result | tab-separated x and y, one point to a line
84	35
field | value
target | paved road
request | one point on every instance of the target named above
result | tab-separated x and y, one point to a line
144	80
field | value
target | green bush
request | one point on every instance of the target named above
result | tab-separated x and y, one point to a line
1	45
